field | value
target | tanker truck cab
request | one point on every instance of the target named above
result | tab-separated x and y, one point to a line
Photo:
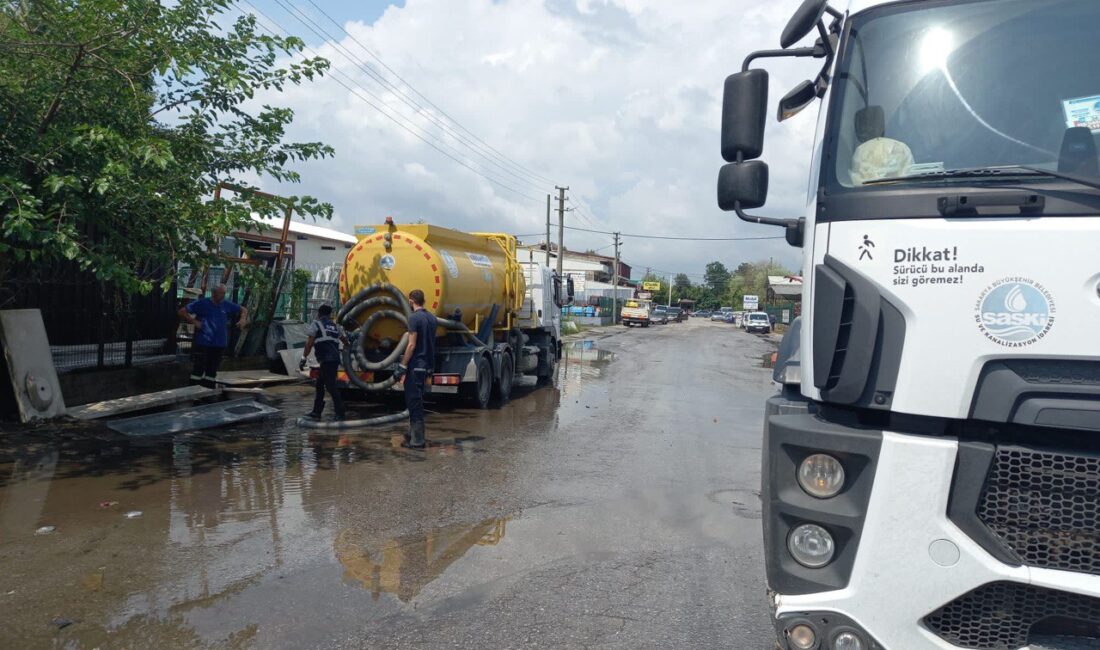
930	466
498	319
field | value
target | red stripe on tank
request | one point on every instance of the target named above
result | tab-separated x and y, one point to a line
429	258
437	279
435	305
419	247
438	293
434	268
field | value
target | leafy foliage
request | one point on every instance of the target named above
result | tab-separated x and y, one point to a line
118	118
720	287
716	276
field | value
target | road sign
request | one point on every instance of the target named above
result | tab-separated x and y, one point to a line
786	316
651	286
645	295
578	281
752	303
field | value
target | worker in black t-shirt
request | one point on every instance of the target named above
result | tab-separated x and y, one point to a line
416	367
324	340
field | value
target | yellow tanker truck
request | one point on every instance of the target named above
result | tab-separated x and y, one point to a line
498	317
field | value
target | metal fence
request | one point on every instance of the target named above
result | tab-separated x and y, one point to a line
91	325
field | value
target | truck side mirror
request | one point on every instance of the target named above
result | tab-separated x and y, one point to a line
744	112
743	185
799	98
803	20
569	289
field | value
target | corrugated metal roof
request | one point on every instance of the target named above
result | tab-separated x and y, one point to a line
303	228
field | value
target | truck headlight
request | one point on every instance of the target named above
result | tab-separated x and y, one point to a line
811	546
821	476
847	641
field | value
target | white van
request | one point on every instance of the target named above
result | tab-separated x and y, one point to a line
758	321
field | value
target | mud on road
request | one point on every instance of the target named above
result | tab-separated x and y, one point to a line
617	508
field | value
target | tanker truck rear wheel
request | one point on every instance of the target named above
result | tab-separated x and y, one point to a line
507	379
480	392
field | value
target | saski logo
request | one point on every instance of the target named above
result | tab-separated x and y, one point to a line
1015	312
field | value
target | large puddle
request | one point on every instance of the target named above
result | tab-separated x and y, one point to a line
262	534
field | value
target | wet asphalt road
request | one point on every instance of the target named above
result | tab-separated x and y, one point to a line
616	509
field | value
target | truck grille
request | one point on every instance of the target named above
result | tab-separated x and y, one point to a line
1042	505
1009	616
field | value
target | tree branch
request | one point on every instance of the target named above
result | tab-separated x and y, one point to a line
56	103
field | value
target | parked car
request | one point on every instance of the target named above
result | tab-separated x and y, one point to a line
758	321
676	315
702	313
719	316
659	315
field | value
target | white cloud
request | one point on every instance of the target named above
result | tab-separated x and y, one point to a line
619	99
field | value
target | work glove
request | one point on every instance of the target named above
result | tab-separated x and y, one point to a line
399	370
302	364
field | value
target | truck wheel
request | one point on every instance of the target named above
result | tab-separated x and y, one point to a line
503	387
479	393
644	325
551	366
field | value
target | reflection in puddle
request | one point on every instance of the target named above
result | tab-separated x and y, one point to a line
404	565
588	351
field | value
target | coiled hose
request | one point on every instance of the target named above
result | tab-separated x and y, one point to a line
399	309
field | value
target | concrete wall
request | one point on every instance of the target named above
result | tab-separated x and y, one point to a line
99	385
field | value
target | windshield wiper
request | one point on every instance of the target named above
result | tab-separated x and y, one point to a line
991	172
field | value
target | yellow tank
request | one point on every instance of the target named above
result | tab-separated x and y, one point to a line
469	272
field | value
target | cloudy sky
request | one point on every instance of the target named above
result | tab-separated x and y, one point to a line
618	99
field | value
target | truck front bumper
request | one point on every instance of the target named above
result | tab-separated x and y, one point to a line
905	575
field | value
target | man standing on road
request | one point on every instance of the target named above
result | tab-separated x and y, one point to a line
325	338
416	367
210	317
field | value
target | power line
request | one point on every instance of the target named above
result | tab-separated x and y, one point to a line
418	108
624	234
395	120
428	101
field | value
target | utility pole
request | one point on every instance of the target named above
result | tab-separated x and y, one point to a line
615	285
669	289
548	230
561	225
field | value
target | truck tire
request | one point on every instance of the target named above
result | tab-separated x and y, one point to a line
478	394
644	325
551	365
503	387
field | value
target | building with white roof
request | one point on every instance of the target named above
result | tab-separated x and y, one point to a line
308	246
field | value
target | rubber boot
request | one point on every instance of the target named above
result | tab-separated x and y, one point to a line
416	435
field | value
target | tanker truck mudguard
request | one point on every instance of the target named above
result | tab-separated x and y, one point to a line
499	318
931	465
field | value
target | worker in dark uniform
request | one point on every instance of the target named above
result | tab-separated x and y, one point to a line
324	340
416	367
211	317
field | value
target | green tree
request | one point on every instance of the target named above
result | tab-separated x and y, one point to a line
118	118
716	276
681	284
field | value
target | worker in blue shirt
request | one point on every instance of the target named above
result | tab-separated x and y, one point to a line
324	340
211	317
416	367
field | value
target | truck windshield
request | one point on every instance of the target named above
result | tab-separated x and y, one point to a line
926	88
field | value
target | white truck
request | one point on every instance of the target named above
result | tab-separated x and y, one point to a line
931	466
